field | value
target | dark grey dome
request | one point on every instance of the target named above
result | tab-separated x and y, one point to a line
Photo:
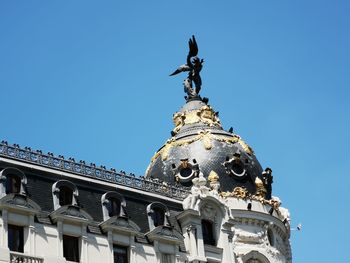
199	144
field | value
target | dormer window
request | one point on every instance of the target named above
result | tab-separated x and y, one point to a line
13	184
12	181
158	215
64	193
113	204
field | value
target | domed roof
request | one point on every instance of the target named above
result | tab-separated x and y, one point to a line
200	145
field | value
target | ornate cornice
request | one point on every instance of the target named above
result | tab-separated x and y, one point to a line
19	202
90	171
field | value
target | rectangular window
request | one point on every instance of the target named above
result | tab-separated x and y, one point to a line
208	234
120	254
71	248
15	238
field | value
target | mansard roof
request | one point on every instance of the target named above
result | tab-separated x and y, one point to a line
43	170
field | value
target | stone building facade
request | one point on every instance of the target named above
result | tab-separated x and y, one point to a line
204	198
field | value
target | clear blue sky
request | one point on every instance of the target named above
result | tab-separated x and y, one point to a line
89	79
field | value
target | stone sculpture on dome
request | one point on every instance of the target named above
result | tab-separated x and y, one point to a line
193	66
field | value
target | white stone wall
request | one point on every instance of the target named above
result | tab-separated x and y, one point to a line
43	241
243	229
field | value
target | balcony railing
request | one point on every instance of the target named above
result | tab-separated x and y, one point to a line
16	257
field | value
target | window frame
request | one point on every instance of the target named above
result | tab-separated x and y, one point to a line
151	215
56	188
20	230
69	238
106	205
125	256
208	239
8	172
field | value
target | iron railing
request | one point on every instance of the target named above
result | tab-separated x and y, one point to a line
28	155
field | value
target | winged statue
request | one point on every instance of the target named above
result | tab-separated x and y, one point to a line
193	66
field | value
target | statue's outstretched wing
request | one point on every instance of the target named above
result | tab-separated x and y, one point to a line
193	48
180	69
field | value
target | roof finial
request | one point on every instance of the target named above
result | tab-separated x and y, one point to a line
193	66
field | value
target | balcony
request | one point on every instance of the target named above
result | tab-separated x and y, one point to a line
16	257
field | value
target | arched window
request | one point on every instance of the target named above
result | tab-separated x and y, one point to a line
113	204
12	181
158	215
64	193
208	232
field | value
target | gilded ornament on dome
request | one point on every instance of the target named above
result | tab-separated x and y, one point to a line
205	115
213	177
179	121
260	189
245	146
238	192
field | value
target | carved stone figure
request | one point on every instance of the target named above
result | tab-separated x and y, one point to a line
198	191
193	66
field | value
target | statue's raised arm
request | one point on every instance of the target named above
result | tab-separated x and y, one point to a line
193	66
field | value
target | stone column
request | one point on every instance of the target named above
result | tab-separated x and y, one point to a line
31	233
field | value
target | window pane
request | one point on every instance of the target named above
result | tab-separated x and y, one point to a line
13	184
66	196
120	254
166	258
114	209
71	248
208	235
15	238
158	216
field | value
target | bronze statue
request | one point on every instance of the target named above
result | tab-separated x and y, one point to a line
193	66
